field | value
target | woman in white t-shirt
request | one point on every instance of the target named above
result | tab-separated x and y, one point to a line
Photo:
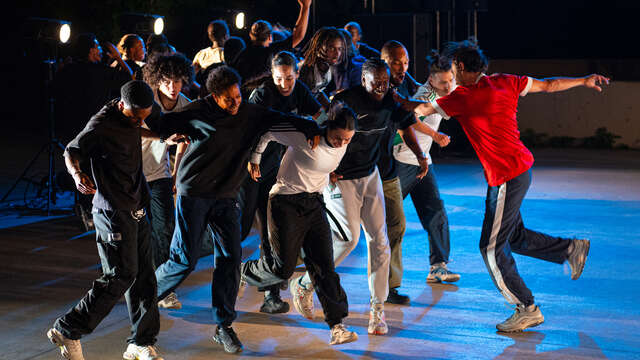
298	220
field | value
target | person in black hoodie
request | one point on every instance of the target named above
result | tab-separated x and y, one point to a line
222	129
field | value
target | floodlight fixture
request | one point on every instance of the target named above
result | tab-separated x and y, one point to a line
51	30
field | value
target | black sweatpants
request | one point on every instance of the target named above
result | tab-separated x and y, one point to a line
503	232
127	268
297	222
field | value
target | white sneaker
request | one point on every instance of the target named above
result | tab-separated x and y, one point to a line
377	322
302	298
340	335
170	302
521	319
135	352
70	349
439	273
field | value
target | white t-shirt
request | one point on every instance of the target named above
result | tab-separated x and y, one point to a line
302	169
401	151
155	153
208	56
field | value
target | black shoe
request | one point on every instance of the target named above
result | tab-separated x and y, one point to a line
397	298
226	337
273	304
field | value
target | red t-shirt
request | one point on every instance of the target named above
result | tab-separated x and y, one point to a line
487	113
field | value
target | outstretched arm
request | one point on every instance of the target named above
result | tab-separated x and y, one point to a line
421	108
300	29
556	84
440	138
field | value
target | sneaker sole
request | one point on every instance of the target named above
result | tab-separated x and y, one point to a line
521	330
586	254
438	280
379	333
172	307
226	349
350	340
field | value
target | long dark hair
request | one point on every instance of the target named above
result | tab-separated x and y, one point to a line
315	51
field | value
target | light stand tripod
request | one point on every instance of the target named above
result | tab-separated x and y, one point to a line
53	142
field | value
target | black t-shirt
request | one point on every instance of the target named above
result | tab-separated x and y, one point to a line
81	90
387	163
215	163
368	52
253	61
300	102
112	145
374	118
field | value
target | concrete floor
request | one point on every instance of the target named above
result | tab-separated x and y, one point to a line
47	266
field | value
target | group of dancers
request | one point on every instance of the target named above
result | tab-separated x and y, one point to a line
319	170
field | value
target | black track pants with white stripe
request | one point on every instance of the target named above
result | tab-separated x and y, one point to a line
503	232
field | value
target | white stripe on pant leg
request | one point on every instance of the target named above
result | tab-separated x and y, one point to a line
491	248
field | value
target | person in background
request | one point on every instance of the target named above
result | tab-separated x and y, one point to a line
218	33
356	37
133	52
253	62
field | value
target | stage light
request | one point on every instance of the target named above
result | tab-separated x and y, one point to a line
65	33
240	20
47	29
142	24
158	26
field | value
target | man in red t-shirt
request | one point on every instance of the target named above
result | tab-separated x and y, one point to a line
486	108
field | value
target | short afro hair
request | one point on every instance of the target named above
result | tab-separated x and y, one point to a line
222	78
374	64
163	66
136	94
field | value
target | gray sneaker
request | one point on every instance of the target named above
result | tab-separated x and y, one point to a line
579	249
377	321
522	319
302	298
439	273
340	335
69	349
170	302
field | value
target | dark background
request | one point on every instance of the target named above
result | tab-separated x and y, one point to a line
596	30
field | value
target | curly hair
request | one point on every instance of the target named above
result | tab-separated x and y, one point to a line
175	66
468	53
222	78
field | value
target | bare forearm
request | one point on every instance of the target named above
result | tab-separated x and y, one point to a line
556	84
72	162
424	128
182	147
300	28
